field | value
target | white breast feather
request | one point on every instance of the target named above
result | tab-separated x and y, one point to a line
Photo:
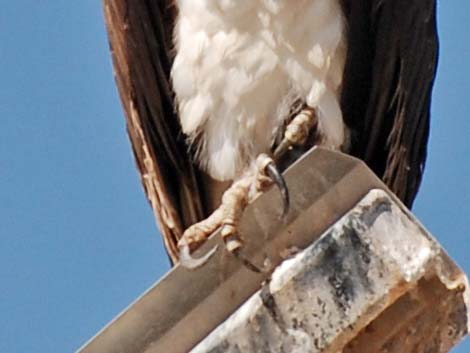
238	62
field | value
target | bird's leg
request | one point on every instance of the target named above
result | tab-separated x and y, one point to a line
245	191
242	192
297	131
228	215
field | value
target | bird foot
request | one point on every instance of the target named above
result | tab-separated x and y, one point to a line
297	131
242	192
228	215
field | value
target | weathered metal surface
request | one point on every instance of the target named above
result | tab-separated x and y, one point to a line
374	282
185	306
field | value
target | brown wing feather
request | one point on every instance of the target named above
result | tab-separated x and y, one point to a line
390	70
387	91
140	33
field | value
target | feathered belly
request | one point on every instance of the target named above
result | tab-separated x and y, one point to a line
239	66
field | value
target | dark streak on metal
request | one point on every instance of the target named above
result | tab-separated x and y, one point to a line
269	303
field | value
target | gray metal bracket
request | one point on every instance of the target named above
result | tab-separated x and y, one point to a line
185	306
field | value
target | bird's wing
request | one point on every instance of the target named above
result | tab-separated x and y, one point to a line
390	70
140	34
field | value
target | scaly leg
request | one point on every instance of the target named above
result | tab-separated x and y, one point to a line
242	192
228	215
297	131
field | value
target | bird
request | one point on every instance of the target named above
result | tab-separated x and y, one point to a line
217	93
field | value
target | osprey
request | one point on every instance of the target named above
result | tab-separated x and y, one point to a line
218	93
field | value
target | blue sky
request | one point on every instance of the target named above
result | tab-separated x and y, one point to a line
77	238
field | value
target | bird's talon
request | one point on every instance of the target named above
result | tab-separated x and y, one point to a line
232	242
278	179
229	229
297	131
191	263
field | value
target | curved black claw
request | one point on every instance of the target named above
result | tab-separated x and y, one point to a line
277	177
281	149
191	263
